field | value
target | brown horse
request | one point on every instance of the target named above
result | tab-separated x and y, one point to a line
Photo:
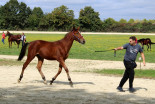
13	38
147	42
58	50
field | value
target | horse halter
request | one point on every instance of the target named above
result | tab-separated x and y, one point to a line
77	37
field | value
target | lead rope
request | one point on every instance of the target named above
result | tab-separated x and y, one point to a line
91	50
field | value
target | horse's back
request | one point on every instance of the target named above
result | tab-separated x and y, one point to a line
15	37
45	49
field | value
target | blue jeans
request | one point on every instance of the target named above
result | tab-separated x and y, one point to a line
3	40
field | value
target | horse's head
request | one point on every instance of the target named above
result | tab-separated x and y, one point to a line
77	35
7	34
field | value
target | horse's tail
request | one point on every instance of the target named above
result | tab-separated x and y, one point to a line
152	43
22	52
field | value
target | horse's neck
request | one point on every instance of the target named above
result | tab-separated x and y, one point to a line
67	42
10	35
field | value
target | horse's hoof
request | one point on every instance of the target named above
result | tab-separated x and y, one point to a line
18	81
51	82
71	83
45	82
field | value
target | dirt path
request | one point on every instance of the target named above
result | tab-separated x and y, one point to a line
87	89
82	65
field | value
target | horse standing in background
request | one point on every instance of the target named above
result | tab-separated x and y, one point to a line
147	42
58	50
13	38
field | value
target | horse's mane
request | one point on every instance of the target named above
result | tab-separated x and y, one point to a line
69	33
66	36
10	33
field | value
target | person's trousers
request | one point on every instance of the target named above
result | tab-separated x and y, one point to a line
23	43
128	74
3	41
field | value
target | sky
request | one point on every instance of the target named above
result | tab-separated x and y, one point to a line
116	9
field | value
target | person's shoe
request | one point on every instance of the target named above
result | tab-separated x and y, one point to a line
120	89
132	90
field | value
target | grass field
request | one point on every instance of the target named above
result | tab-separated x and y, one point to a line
93	43
119	72
138	73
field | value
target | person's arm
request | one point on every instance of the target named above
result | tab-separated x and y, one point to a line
122	47
143	57
118	48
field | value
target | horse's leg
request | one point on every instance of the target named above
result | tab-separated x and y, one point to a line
142	46
59	71
11	44
29	59
150	47
62	62
40	62
147	47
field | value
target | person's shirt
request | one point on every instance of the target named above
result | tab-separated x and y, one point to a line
3	35
131	51
23	37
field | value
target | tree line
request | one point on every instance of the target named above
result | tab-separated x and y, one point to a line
16	15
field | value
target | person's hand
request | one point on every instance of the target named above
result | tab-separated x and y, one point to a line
115	49
144	63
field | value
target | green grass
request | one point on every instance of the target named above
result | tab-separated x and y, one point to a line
93	42
138	73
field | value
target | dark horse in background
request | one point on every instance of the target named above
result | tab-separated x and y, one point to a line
147	42
13	38
58	50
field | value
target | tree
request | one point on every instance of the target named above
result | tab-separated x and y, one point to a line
45	22
10	11
14	15
38	12
76	23
109	24
34	18
1	18
122	21
23	15
62	18
131	21
89	19
33	22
